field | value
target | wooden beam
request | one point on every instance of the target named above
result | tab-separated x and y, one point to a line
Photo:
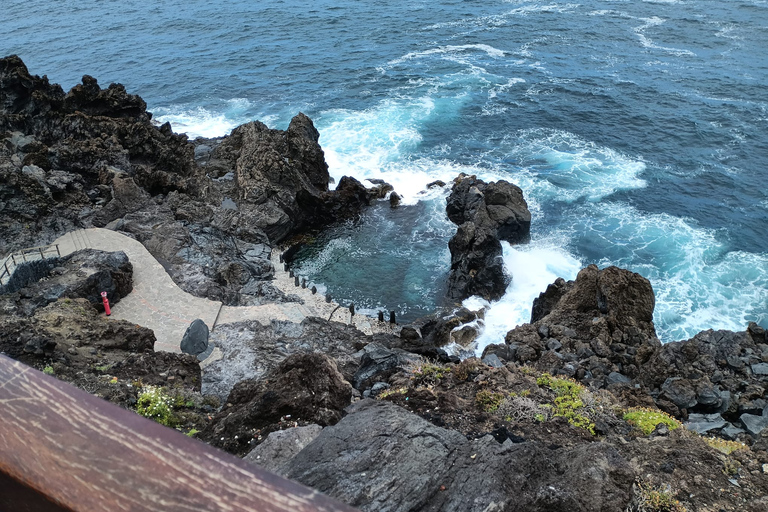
63	449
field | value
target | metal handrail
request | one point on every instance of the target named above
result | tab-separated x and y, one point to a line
22	254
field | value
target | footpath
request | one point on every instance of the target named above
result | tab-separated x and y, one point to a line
157	303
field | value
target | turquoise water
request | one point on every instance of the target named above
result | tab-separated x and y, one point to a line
637	129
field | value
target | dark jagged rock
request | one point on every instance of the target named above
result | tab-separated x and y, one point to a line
69	142
304	387
82	274
603	319
209	215
486	213
250	349
709	373
377	363
411	465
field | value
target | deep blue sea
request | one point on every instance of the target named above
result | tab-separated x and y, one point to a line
638	130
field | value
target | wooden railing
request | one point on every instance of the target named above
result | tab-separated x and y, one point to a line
12	261
62	449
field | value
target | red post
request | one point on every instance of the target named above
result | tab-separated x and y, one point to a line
106	303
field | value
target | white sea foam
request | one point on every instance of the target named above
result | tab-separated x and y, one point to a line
564	167
197	121
533	267
449	50
648	42
698	283
378	143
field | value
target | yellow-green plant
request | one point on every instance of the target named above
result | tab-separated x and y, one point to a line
568	403
48	370
390	392
645	419
155	404
726	447
489	401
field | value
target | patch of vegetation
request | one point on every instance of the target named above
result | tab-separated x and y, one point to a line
429	374
568	403
192	432
464	369
48	370
103	368
723	446
489	401
645	419
391	392
649	498
731	467
519	408
155	404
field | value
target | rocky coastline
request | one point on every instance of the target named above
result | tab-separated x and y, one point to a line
582	408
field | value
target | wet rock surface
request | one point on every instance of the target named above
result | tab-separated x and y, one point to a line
486	214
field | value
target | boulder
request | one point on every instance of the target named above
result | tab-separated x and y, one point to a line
377	363
82	274
195	339
702	423
281	446
304	387
249	349
486	213
753	423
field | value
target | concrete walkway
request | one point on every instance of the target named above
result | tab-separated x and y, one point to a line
158	303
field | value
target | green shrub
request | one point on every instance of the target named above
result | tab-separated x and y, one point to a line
154	404
48	370
568	403
488	401
645	419
464	369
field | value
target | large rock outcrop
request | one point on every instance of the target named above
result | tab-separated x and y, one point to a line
486	213
59	152
603	320
395	461
306	387
81	275
599	329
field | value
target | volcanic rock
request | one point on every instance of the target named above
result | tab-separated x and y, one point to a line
82	274
410	464
195	339
306	387
281	446
486	213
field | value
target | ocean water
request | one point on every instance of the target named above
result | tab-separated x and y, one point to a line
638	130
